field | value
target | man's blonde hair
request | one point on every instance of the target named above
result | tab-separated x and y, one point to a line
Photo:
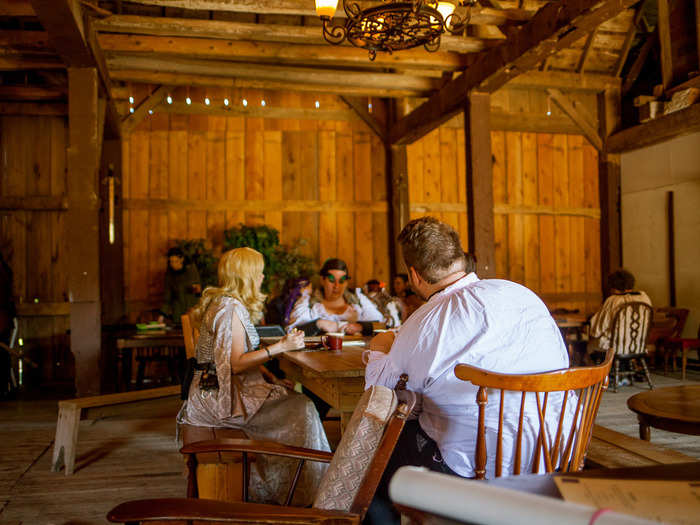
237	271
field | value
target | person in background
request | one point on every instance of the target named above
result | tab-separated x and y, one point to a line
182	286
333	308
493	324
408	301
280	308
621	283
389	306
229	390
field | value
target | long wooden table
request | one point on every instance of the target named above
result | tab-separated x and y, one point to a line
336	377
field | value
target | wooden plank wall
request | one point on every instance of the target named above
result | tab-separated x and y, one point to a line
32	235
547	216
320	182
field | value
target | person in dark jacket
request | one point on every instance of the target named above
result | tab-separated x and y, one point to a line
182	286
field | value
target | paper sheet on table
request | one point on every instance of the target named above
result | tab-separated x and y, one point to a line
675	502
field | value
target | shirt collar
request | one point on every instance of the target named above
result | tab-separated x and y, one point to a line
462	282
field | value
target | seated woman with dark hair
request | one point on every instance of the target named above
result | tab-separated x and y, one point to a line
333	308
622	291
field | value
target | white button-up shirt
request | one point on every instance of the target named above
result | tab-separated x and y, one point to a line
492	324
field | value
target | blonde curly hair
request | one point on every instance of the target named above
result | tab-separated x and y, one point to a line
238	270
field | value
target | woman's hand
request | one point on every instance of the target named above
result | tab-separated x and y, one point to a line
352	328
294	340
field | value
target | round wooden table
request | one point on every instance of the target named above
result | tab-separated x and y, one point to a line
676	409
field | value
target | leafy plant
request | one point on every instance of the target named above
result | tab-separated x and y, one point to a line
281	262
196	251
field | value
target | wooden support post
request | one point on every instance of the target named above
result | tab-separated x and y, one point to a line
397	185
664	26
609	187
82	226
697	28
477	134
671	251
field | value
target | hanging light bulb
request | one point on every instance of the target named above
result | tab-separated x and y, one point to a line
549	106
150	112
206	100
244	102
131	99
263	103
169	99
225	102
131	109
317	104
188	101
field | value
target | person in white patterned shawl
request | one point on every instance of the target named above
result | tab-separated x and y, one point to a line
228	388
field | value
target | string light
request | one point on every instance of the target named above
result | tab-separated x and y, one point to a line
188	100
150	112
206	100
244	102
317	104
263	103
225	102
549	106
369	107
131	99
131	109
169	99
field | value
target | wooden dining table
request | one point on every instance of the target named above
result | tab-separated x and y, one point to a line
675	409
337	377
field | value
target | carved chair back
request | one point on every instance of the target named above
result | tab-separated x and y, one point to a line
630	328
190	333
562	438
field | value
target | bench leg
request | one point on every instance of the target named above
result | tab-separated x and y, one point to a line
66	439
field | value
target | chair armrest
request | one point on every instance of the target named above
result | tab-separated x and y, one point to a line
220	511
258	447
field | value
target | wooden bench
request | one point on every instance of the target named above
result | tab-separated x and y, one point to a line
71	411
611	449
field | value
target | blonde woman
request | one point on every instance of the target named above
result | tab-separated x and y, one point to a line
228	388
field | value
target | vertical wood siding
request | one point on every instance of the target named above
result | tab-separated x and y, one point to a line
319	182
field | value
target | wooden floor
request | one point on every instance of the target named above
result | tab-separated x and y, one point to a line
136	457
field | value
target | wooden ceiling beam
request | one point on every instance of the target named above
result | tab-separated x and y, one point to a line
149	103
664	27
33	108
22	63
661	129
290	75
14	8
554	27
162	26
581	66
180	79
594	82
629	39
360	108
63	21
578	114
275	51
31	93
25	40
636	67
480	16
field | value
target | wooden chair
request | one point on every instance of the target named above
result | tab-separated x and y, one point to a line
345	491
668	322
628	338
566	449
219	476
682	344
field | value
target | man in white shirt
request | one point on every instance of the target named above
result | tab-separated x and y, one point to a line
492	324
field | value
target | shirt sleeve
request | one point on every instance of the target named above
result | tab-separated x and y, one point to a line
380	370
301	312
368	311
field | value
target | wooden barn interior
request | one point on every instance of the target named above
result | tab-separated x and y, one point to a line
560	139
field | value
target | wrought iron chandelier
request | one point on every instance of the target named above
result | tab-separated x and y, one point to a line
393	25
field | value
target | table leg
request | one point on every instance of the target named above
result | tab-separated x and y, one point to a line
644	428
684	361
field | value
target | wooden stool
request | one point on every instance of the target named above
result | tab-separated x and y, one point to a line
214	475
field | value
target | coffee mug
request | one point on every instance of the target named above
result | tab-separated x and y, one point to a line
333	340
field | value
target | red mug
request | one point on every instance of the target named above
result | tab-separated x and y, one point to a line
333	341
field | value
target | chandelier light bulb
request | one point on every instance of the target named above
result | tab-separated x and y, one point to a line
244	102
445	9
225	102
326	8
169	99
188	101
206	100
